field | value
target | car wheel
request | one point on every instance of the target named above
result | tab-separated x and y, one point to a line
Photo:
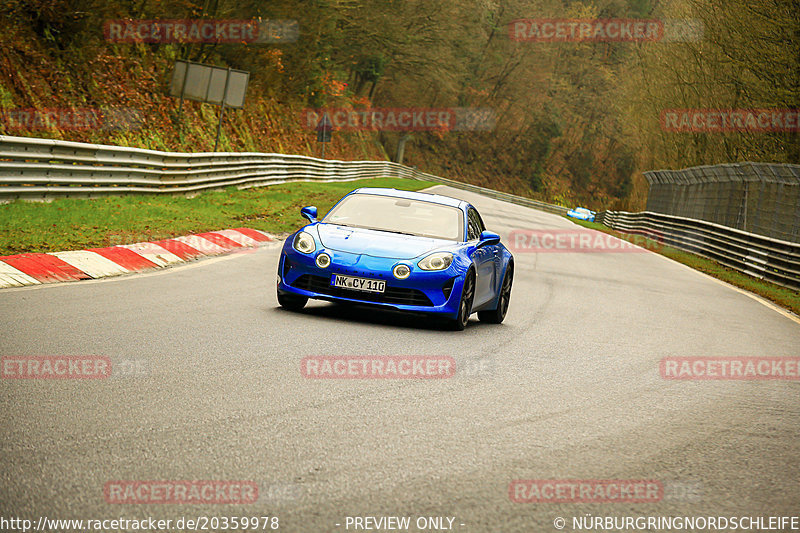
495	316
465	305
292	302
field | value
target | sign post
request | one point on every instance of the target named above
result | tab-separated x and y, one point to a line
180	105
222	109
324	129
225	87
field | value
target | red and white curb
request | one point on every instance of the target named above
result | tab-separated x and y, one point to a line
32	269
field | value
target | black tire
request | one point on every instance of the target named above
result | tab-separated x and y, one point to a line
465	304
496	316
292	302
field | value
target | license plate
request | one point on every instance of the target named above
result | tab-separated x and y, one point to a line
358	284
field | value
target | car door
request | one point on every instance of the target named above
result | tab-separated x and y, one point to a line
484	258
497	253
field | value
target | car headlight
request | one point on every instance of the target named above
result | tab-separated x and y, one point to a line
437	261
323	260
401	271
304	243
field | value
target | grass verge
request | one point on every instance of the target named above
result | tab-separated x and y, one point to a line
782	296
73	224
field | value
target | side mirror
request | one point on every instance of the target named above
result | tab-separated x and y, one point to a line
487	238
309	212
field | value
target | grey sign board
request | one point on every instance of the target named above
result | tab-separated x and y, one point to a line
209	84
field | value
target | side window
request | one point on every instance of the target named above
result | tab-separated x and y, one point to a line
473	225
481	226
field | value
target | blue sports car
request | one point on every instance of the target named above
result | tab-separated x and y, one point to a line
582	213
407	251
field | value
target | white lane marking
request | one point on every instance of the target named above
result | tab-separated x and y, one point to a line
91	263
238	238
12	277
204	246
154	253
788	314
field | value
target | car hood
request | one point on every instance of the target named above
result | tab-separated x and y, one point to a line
376	243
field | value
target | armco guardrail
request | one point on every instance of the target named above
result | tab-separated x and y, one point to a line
33	168
758	256
761	198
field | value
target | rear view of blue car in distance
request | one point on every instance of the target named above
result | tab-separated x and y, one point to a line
400	250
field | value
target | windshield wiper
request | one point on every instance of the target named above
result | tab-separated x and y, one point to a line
392	231
377	229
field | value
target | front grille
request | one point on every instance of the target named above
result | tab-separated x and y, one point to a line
392	295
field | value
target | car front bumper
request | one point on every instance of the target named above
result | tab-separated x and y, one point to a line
433	292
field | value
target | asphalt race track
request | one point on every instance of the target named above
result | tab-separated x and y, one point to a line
567	388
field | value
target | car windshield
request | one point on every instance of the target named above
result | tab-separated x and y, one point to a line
398	215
